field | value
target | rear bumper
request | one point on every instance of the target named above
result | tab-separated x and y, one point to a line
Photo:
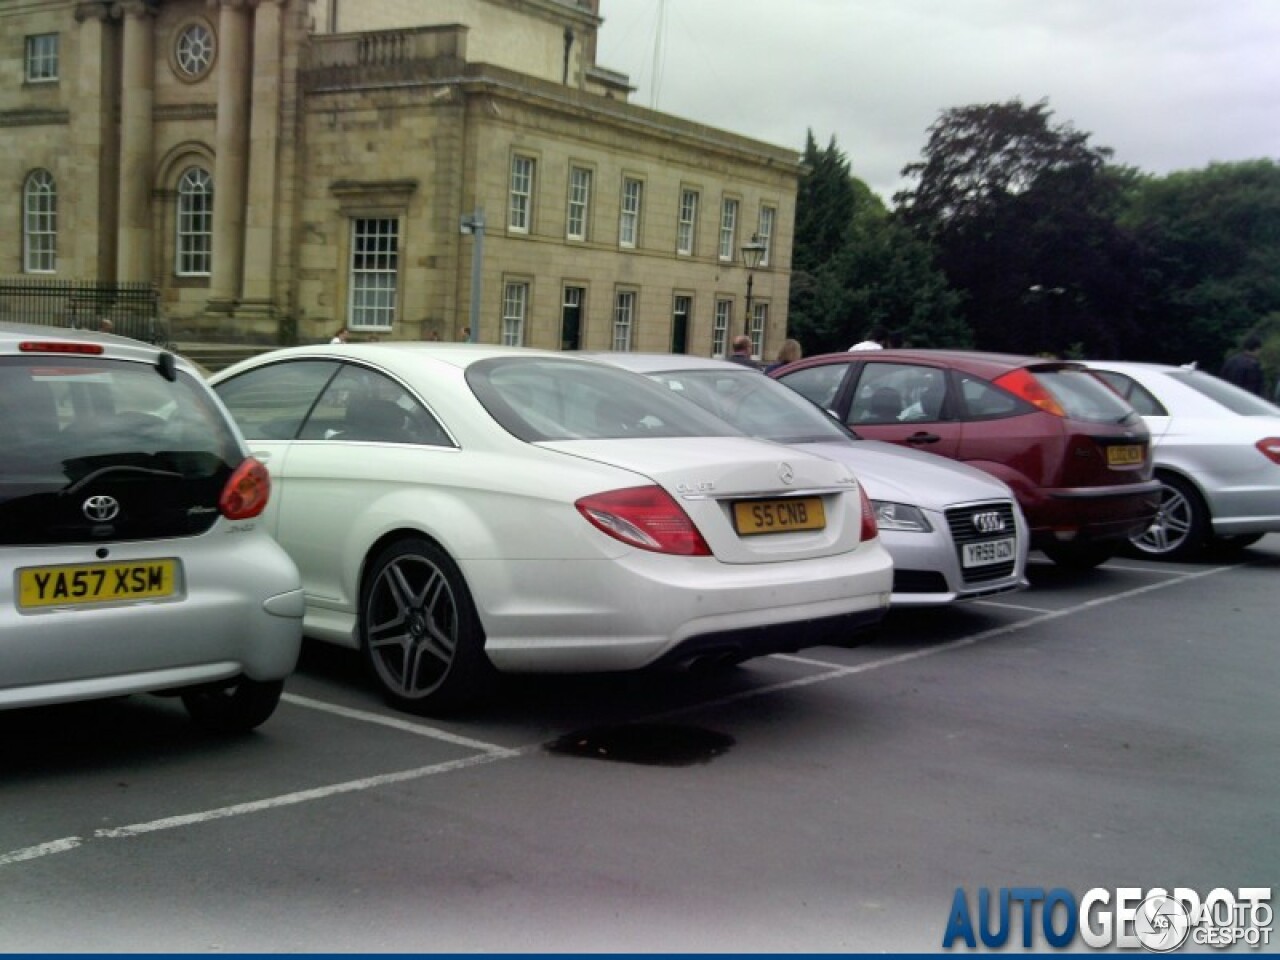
1090	514
646	608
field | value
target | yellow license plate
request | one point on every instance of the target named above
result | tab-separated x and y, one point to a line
1125	455
96	583
778	516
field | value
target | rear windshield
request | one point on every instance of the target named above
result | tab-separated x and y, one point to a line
1228	395
540	399
754	404
74	426
1083	397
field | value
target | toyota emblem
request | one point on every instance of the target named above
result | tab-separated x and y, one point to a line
785	473
990	522
101	509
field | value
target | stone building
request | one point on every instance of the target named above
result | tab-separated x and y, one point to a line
406	168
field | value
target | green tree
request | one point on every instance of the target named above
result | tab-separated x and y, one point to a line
1212	246
855	268
1021	214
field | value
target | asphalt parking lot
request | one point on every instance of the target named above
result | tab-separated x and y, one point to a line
1105	730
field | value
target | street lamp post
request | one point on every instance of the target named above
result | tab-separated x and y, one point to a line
752	254
473	225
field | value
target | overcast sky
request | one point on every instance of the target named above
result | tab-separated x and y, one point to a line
1167	84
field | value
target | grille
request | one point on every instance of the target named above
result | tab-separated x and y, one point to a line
964	530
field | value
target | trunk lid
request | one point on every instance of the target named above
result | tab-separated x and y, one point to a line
753	501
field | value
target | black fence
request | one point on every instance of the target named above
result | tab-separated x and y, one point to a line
127	309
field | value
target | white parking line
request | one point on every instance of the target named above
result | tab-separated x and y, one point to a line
490	753
396	723
1158	571
1010	606
920	654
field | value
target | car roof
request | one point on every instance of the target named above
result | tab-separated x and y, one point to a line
117	347
396	355
655	362
984	363
1141	365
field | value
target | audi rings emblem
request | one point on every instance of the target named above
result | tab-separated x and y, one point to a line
785	473
100	509
990	522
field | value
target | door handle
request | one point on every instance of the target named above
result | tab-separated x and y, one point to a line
922	437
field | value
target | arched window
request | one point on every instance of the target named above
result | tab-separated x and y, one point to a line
40	223
195	223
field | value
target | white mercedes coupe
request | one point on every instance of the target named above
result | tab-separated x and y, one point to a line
457	507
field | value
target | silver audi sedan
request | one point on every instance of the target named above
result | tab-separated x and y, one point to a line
954	532
1216	449
133	557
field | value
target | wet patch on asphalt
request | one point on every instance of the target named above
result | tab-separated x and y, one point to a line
651	744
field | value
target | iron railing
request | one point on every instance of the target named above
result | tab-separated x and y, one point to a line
127	309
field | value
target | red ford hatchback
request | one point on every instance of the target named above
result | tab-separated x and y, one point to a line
1077	457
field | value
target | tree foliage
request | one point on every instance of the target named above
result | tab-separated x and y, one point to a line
854	268
1211	240
1021	213
1020	235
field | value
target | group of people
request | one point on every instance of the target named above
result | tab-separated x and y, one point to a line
740	352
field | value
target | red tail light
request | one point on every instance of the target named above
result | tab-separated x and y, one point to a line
247	492
645	517
1023	383
870	529
1269	447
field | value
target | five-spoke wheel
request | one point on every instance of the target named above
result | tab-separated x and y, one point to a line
1181	526
419	629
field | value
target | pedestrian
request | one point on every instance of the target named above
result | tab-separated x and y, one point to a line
741	352
466	335
876	337
105	325
341	335
789	352
1243	368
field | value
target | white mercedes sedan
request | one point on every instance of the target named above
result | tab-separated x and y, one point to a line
456	507
1216	449
955	532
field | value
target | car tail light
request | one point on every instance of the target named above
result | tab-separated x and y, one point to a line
1023	383
1269	447
645	517
55	346
870	529
247	492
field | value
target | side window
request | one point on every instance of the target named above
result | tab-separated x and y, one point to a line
899	393
985	401
1139	397
363	406
819	385
271	402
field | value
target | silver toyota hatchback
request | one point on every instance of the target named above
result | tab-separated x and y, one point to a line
132	556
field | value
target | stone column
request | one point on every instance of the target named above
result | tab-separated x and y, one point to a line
264	136
231	141
91	108
137	94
